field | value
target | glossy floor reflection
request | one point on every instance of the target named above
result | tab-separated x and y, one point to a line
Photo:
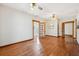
46	46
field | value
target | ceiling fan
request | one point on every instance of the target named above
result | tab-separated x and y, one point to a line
37	6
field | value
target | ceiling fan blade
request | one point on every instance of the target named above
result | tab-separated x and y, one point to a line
40	8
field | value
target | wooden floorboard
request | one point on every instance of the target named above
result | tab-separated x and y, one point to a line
47	46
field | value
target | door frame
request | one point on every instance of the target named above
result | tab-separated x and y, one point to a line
33	27
63	28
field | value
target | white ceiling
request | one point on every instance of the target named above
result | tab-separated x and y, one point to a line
60	9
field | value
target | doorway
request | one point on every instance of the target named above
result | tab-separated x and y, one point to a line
39	29
68	29
36	28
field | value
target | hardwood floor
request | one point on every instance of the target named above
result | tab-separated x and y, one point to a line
47	46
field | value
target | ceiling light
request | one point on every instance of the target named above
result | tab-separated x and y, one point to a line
34	5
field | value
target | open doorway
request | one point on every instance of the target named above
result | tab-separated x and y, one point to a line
68	29
39	29
36	28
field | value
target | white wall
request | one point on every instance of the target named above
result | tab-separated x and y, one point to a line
15	26
78	36
78	29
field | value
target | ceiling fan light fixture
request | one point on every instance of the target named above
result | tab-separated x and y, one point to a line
34	5
53	16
